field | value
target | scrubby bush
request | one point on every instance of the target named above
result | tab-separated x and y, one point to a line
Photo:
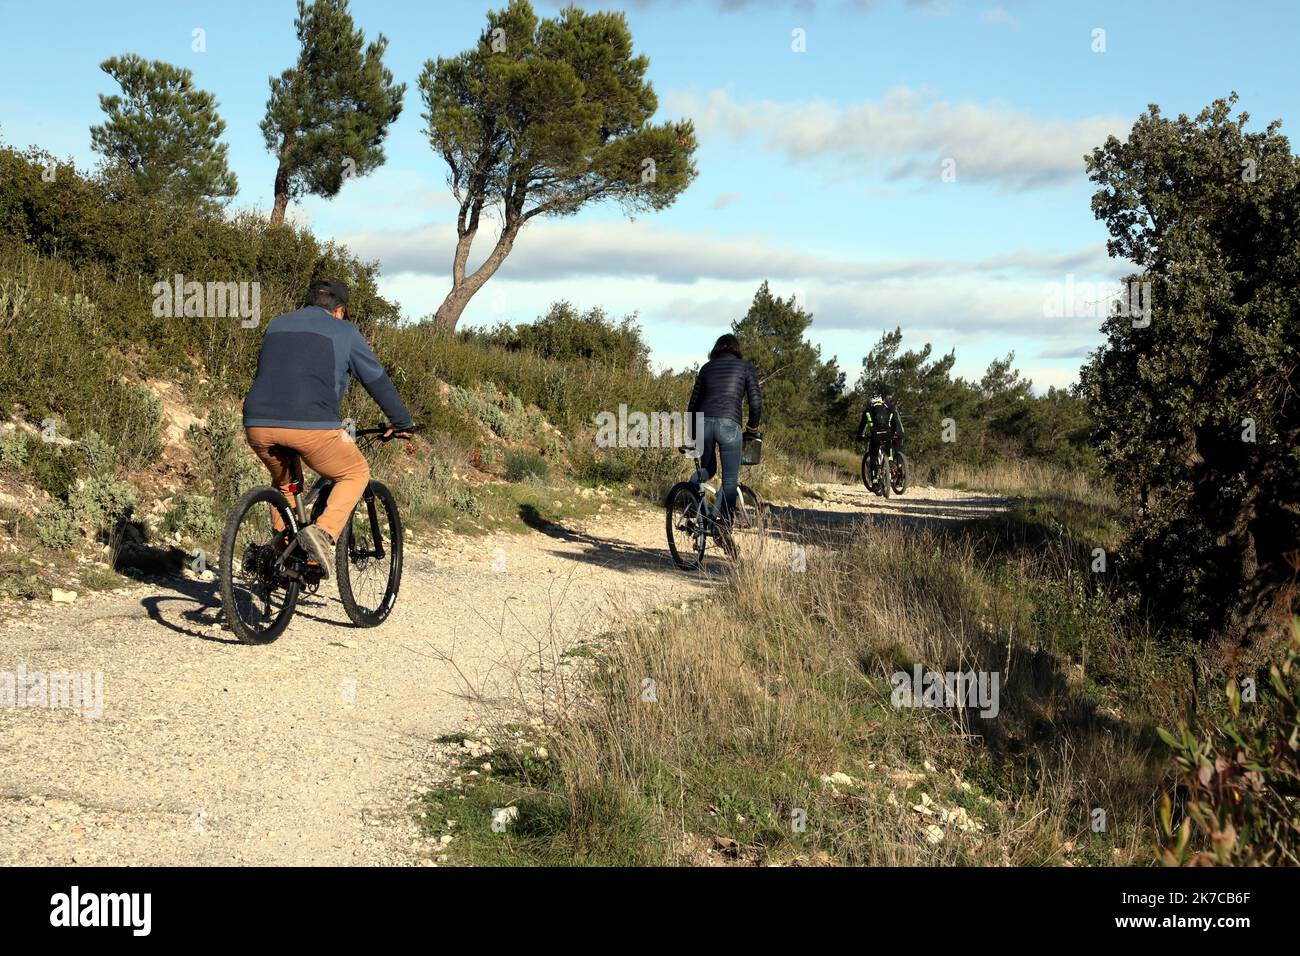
1241	778
57	527
223	456
464	501
13	451
523	464
564	334
193	517
100	502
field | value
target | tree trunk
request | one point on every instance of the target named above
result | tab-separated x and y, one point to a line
464	286
281	192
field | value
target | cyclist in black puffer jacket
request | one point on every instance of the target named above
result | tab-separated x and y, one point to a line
725	381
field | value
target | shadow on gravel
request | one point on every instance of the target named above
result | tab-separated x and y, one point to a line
193	607
617	555
790	522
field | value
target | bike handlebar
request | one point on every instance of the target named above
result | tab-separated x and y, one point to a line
402	433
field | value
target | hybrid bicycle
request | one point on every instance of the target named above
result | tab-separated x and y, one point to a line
264	571
691	518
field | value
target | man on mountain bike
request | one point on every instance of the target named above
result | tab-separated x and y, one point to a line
880	422
303	372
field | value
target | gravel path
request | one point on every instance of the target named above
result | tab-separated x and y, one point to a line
311	750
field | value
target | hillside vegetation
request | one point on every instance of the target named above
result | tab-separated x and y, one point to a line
122	449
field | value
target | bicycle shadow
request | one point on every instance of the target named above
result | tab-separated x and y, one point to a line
604	552
192	608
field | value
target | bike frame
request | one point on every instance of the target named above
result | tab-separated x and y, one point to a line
298	513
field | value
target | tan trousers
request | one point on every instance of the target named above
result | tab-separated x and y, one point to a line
328	452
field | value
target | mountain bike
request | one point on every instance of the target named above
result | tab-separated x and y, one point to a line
263	572
691	518
888	461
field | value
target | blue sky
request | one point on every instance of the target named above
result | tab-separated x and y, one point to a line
820	170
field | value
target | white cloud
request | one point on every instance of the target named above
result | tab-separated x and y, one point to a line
908	133
998	15
561	249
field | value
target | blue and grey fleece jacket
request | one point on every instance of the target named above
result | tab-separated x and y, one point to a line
303	369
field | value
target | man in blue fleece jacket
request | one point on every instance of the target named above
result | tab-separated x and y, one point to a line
303	372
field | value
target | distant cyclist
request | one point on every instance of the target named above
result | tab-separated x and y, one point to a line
880	422
723	383
303	372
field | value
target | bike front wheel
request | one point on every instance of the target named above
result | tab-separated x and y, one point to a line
749	508
368	557
257	596
686	526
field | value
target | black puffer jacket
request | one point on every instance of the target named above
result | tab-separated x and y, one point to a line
720	387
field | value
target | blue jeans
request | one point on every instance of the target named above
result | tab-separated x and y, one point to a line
726	437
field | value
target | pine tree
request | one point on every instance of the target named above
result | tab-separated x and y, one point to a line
328	115
163	134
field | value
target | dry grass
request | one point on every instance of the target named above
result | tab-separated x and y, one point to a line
1026	478
784	679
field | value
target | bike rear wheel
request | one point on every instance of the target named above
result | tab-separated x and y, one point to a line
257	596
686	526
882	473
368	557
898	474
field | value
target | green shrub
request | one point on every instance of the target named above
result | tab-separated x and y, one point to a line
1241	775
57	527
464	501
100	502
522	464
13	451
55	468
193	517
98	455
136	413
223	456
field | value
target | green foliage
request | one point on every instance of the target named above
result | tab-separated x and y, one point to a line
464	501
55	468
163	134
57	528
13	450
1241	778
541	117
98	454
96	505
564	334
223	456
193	517
77	298
524	464
1201	429
328	115
801	393
99	502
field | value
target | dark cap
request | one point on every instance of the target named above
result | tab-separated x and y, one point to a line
335	287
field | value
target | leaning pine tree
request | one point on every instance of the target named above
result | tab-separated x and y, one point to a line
540	118
1197	408
328	114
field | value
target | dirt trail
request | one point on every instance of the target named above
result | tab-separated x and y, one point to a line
310	750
